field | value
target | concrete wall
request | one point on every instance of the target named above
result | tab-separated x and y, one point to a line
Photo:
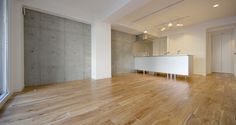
56	49
122	56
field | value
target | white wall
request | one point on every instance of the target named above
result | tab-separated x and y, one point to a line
208	54
192	40
101	50
235	52
16	47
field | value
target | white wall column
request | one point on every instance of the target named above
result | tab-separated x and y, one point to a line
234	52
16	47
101	50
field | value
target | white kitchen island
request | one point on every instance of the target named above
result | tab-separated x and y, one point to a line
169	64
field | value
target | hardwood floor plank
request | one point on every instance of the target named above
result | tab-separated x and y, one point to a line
130	99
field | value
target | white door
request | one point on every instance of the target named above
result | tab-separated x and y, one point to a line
227	53
222	52
216	53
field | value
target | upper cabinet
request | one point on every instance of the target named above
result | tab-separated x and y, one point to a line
147	45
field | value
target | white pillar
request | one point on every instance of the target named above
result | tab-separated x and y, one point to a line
101	50
15	47
235	52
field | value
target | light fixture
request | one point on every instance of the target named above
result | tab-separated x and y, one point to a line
170	25
163	29
216	5
179	24
145	31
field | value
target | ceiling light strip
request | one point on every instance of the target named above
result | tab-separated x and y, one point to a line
174	20
173	4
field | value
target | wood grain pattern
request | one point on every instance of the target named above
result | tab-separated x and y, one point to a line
127	99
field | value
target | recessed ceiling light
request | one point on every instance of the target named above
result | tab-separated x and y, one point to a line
170	25
216	5
179	24
145	31
163	29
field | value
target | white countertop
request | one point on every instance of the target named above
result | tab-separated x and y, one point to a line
171	64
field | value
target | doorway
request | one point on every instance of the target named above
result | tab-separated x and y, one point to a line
222	51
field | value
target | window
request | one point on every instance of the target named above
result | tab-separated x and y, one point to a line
3	49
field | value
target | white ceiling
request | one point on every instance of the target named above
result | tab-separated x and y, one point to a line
155	14
135	16
86	10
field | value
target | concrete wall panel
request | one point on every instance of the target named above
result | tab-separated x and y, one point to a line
56	49
122	56
52	56
87	53
32	67
74	56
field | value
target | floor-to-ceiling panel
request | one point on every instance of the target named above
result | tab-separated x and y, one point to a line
56	49
222	52
227	52
216	53
122	56
32	36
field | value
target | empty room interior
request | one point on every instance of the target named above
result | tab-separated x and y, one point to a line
117	62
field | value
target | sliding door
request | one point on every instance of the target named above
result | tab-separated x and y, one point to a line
216	53
222	52
227	52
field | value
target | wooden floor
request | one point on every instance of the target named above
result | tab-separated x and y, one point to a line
127	99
